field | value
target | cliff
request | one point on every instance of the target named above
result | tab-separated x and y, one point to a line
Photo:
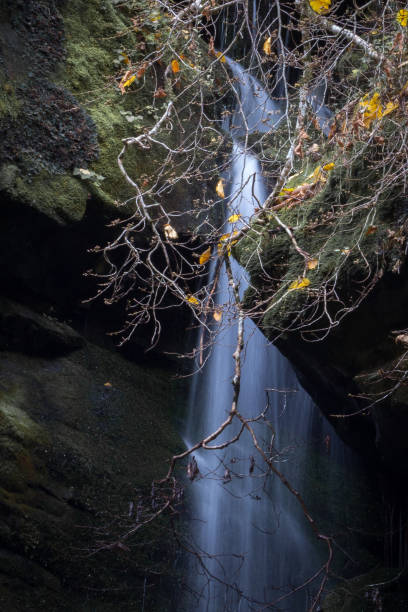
84	428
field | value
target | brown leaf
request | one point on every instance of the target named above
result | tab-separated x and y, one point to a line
371	230
160	93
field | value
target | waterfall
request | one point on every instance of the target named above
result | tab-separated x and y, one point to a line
252	541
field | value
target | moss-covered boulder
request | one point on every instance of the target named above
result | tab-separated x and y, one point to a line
82	437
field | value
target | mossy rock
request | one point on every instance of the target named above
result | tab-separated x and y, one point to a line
82	436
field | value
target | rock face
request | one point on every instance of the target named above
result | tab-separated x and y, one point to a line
84	429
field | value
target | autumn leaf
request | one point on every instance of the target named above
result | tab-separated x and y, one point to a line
126	81
221	56
373	109
192	300
205	256
175	66
312	264
402	17
315	176
300	283
224	238
160	93
267	46
371	230
141	72
286	190
220	188
217	314
231	244
125	57
233	218
328	167
389	107
320	6
170	232
129	81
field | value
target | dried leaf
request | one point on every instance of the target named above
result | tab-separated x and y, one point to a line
192	300
141	71
267	46
127	80
300	283
312	264
371	230
217	314
220	188
233	218
175	66
125	57
205	256
402	17
390	106
372	109
320	6
160	93
286	190
221	56
315	176
170	232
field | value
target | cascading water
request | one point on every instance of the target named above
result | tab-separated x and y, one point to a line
253	543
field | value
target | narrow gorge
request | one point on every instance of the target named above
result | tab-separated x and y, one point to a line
203	324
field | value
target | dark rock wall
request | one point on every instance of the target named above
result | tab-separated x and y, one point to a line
84	429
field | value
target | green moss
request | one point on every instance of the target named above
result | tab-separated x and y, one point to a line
61	197
10	105
334	228
92	44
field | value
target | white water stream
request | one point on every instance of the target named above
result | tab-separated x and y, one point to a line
253	541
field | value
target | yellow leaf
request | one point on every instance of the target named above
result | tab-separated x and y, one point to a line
217	314
233	218
221	56
320	6
193	300
267	46
328	167
390	106
312	264
316	175
372	109
205	256
402	17
175	66
225	238
286	190
220	188
231	244
129	81
300	283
